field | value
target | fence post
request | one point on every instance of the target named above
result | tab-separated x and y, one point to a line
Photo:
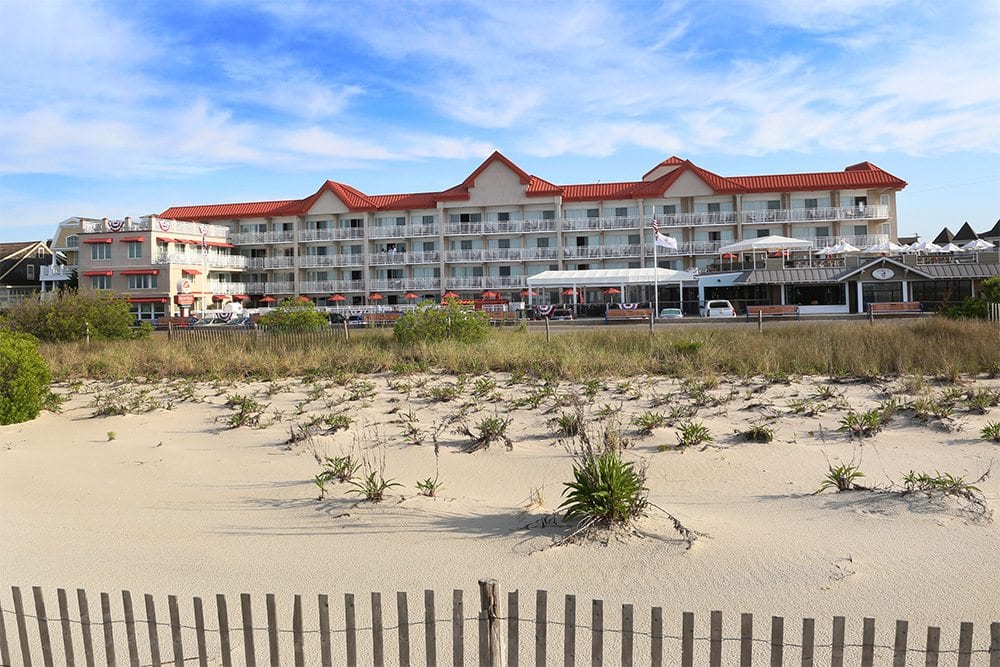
995	633
225	649
546	329
403	616
153	630
569	632
430	630
109	630
457	629
541	627
656	637
43	626
489	623
88	638
67	634
597	633
760	321
351	639
325	655
715	639
868	643
965	645
513	634
777	641
899	648
746	640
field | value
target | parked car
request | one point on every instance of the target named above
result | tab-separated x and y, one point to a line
356	320
671	314
561	314
718	308
336	318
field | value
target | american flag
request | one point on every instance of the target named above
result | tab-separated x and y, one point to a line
656	228
660	239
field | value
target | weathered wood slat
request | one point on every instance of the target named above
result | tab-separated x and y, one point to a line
933	646
153	631
541	625
808	642
350	631
489	611
715	639
378	647
569	631
995	627
225	646
837	641
513	630
627	639
298	638
899	646
109	630
687	639
597	633
656	637
403	615
4	647
273	649
22	626
85	629
246	611
133	645
67	634
199	632
777	641
965	645
746	640
457	628
868	643
325	650
41	617
430	630
176	641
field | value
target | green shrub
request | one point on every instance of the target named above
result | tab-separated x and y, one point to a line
70	316
605	491
24	378
842	478
429	322
991	432
292	315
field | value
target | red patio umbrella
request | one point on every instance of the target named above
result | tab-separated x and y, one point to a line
240	297
612	290
411	295
729	255
529	292
489	294
449	295
336	297
568	292
303	298
268	299
375	297
219	297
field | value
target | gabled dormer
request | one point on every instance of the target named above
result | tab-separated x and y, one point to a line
498	181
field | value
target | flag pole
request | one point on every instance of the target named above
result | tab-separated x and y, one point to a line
656	265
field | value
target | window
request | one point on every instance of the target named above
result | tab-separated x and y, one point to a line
142	282
715	236
860	230
593	213
543	242
465	245
504	271
148	311
427	219
812	203
503	243
465	217
714	207
884	200
30	268
100	282
621	212
773	204
582	241
548	215
503	216
428	246
100	251
356	275
761	233
134	249
355	250
72	241
670	209
633	239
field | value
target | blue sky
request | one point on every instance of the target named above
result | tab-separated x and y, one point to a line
126	108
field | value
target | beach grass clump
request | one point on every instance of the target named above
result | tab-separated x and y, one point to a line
248	411
114	402
568	424
842	478
490	430
980	401
691	434
944	483
761	433
647	422
863	424
372	487
443	393
606	491
991	431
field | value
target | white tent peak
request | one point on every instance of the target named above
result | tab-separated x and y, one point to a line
766	243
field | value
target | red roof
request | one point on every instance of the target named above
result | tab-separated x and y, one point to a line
221	211
857	176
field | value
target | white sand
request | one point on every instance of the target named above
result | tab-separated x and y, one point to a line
179	504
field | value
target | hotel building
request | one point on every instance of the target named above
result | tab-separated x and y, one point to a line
488	233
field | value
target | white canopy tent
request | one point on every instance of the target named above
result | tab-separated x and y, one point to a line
766	243
620	278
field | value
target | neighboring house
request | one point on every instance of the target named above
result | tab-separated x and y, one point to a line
20	269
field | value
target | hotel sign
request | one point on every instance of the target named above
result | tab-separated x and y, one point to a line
883	274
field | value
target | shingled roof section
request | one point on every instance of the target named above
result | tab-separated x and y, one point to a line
353	199
224	211
861	175
992	234
944	237
535	186
965	234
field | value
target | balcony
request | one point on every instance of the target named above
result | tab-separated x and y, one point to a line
476	282
405	284
231	262
689	248
598	224
451	256
394	258
219	287
59	272
331	286
146	224
601	251
334	234
824	214
317	261
463	228
402	231
505	282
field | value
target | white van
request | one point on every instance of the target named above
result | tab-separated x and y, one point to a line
718	308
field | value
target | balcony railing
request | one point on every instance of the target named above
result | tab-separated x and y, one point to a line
504	281
499	227
764	216
331	286
260	238
464	283
405	284
48	273
334	234
344	259
235	262
401	231
601	251
597	224
219	287
146	224
384	258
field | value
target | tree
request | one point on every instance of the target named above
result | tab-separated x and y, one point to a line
292	315
24	378
72	315
990	289
429	322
